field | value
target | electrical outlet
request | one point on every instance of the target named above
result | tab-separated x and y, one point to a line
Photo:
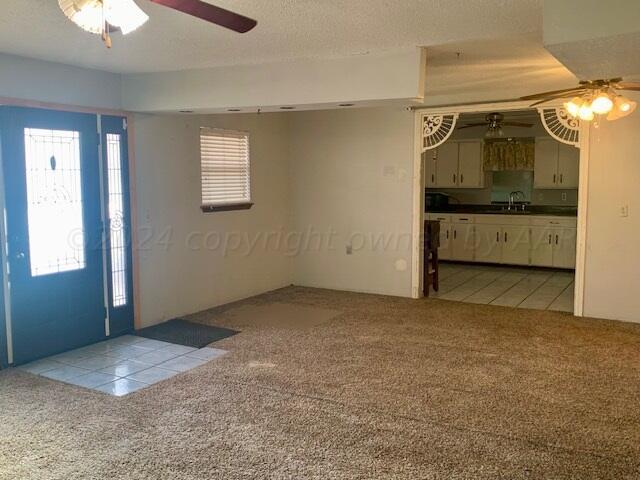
624	211
564	196
349	249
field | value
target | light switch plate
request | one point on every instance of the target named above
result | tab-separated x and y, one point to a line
624	211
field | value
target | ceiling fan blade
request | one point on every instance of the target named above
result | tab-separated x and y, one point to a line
211	13
517	124
472	125
628	85
555	93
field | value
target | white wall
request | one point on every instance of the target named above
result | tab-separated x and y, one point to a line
28	79
612	274
179	274
352	179
389	77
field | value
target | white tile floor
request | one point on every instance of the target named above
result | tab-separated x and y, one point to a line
122	365
539	289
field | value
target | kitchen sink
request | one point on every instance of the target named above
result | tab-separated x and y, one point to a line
507	212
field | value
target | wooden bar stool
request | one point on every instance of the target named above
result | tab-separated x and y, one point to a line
431	244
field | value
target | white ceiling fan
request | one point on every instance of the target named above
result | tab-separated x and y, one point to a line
105	16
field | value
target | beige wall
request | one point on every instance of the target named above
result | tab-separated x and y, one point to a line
179	273
612	274
352	176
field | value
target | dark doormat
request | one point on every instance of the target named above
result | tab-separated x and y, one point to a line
186	333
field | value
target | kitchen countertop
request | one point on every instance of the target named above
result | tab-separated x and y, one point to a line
502	210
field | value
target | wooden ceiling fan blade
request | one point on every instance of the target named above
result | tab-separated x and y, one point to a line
555	93
634	88
472	125
517	124
628	85
211	13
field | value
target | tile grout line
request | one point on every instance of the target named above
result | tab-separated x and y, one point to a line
534	291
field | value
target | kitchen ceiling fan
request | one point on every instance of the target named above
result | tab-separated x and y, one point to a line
592	97
494	123
105	16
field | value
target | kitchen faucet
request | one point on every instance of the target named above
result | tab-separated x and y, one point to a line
513	196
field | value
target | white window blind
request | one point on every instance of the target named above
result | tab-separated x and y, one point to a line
224	167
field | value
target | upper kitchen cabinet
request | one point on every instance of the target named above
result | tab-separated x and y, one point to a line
556	164
456	164
446	165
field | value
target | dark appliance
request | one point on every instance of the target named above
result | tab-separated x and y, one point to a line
435	201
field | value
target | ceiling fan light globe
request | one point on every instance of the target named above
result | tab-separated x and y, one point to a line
602	104
624	105
572	107
124	14
86	14
585	113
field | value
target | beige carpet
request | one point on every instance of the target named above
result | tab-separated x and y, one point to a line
364	387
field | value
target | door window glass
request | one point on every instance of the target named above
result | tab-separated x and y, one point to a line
54	201
116	222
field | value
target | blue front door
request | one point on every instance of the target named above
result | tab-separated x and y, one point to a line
54	230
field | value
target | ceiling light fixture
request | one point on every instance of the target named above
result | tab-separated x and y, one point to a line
103	16
594	97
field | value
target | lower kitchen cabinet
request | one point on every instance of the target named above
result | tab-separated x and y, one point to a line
542	246
462	242
515	247
564	248
512	240
502	244
488	243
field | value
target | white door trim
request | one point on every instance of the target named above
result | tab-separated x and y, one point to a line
419	182
583	205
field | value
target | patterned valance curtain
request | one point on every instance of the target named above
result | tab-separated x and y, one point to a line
500	155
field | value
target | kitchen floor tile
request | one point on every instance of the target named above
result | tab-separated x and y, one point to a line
521	287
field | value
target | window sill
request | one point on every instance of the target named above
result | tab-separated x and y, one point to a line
226	208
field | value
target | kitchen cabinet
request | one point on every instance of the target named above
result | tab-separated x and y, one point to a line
456	164
568	166
544	241
501	239
515	247
430	169
564	248
462	238
488	243
447	165
444	250
556	164
542	246
470	174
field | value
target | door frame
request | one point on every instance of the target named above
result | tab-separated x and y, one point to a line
419	184
6	350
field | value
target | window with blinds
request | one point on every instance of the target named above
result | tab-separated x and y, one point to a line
225	172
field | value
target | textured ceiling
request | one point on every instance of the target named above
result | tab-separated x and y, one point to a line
287	29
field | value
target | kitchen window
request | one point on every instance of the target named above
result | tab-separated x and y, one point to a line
225	170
